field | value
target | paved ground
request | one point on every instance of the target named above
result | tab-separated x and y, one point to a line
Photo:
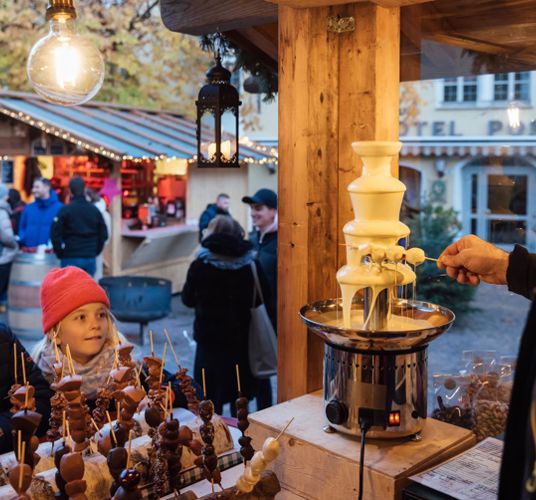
497	325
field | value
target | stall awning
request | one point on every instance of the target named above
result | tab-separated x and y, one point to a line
455	146
118	132
468	146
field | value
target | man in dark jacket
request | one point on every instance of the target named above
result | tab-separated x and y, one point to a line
263	206
37	217
221	207
78	232
7	379
469	261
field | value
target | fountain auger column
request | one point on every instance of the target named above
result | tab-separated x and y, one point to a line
375	360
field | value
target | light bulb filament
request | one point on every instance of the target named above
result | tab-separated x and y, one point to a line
66	65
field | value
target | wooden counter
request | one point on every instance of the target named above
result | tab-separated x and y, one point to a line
161	252
316	465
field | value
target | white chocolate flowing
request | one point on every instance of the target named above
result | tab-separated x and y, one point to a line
374	258
270	449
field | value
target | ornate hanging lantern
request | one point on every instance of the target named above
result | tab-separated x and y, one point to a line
217	119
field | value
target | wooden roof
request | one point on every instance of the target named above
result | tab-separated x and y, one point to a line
438	38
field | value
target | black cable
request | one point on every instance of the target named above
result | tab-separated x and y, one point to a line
364	425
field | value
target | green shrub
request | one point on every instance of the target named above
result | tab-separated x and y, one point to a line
433	228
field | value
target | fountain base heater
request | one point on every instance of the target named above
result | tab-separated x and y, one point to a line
378	374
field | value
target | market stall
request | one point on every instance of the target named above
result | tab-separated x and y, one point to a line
143	164
340	65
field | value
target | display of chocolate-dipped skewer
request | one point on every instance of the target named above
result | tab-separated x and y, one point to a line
77	410
252	473
186	382
155	369
129	479
63	449
72	470
208	460
116	456
241	405
20	474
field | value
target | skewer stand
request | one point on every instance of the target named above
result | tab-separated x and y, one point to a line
316	465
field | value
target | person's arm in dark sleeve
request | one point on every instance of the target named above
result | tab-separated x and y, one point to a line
56	234
188	293
521	272
43	393
102	233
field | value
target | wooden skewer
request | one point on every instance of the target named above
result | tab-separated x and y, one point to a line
170	400
129	448
164	409
238	379
163	363
56	351
64	427
204	384
152	344
284	429
15	359
23	368
70	358
432	259
62	370
166	402
69	437
138	374
111	428
116	359
172	349
212	481
118	410
26	396
21	470
96	427
19	442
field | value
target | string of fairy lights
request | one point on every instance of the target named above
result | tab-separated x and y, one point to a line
269	153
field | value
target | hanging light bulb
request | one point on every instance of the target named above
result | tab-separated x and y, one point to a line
64	67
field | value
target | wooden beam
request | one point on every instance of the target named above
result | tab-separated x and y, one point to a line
333	89
209	16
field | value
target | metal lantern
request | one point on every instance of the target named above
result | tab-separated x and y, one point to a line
217	120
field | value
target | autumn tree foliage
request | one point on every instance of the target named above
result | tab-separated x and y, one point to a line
146	64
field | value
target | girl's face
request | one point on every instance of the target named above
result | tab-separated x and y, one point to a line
85	331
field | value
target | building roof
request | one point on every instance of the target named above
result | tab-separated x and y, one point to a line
118	132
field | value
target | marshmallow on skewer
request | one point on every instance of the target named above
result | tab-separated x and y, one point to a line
415	256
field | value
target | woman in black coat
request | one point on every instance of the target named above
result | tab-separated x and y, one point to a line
219	285
7	379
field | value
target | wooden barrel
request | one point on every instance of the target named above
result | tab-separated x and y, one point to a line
23	306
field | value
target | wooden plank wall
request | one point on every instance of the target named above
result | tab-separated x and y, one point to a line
334	89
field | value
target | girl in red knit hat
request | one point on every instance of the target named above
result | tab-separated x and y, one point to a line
76	312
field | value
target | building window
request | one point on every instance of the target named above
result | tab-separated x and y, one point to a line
460	89
512	87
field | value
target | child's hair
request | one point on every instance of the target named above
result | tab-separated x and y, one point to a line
114	337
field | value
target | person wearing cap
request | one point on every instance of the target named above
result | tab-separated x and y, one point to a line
78	231
76	313
8	242
263	205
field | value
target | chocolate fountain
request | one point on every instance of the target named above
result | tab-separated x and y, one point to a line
375	361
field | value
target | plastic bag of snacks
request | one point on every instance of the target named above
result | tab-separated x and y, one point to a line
452	402
489	389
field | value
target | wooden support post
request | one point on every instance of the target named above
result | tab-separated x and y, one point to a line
333	89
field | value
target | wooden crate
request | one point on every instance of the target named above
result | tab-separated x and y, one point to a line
319	466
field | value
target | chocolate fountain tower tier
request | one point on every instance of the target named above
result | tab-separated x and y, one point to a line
425	322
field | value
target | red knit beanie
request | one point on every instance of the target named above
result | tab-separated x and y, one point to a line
64	290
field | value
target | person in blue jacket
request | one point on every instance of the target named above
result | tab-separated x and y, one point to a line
37	217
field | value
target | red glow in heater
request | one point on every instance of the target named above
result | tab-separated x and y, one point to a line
394	419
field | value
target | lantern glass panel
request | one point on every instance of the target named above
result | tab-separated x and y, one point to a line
228	134
208	139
